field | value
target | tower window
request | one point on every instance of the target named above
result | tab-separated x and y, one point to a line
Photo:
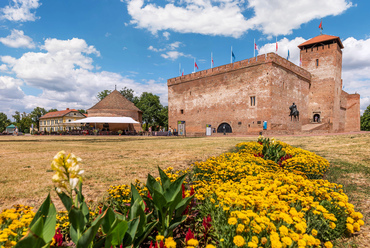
317	62
253	101
182	111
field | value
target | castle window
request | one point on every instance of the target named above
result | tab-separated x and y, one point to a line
317	62
182	111
253	101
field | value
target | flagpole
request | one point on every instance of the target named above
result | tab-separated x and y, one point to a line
276	45
179	69
231	55
254	47
211	60
194	66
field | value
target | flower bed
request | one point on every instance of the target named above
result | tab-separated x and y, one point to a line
266	194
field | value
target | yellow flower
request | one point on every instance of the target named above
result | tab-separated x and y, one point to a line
232	221
192	242
240	228
170	243
286	240
328	244
314	232
239	241
210	246
159	237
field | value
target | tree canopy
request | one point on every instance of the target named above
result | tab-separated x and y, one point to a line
22	120
4	122
365	120
36	114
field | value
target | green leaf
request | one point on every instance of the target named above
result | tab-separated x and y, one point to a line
175	222
77	220
159	200
66	200
137	210
43	210
130	234
87	237
108	220
50	223
30	241
135	195
115	236
148	229
152	184
174	190
166	182
181	206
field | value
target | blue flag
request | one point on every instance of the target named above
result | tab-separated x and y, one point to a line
288	55
232	54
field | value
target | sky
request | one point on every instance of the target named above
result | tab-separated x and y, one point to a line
60	54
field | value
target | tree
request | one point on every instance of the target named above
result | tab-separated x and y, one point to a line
52	110
4	122
102	94
36	114
365	120
82	111
151	106
163	117
129	94
22	120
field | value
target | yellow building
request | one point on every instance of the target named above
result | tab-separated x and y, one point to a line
59	120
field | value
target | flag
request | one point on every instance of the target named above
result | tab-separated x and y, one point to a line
288	55
182	72
320	26
195	65
232	55
276	45
255	47
212	63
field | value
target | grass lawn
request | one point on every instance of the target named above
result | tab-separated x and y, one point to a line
26	175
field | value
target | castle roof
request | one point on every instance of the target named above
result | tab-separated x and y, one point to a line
58	113
321	39
115	100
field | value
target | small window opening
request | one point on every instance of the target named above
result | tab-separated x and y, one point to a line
253	101
317	62
182	111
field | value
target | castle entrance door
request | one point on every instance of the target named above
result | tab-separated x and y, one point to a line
316	118
224	128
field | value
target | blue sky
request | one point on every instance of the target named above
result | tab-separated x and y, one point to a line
61	53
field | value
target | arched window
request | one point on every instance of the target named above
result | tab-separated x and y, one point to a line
224	127
316	118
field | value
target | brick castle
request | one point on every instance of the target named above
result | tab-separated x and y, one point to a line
255	94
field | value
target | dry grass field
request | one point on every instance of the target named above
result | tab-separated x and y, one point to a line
25	176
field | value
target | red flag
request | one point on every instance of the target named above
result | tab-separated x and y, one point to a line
320	26
195	65
212	62
276	46
182	73
255	46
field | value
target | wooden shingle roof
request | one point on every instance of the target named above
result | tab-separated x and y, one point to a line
115	101
58	113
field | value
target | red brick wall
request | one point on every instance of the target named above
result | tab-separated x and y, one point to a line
353	113
223	94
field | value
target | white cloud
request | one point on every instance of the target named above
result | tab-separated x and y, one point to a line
228	17
283	46
64	71
18	39
20	10
151	48
10	88
356	69
166	35
173	55
281	17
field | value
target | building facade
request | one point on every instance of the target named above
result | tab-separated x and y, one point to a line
59	120
243	96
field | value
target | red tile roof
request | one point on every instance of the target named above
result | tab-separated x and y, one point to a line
57	113
323	38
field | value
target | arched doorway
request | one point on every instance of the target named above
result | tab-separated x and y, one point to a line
224	127
316	118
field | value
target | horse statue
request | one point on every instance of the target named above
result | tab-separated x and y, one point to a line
294	112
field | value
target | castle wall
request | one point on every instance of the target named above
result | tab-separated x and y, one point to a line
223	95
353	113
326	83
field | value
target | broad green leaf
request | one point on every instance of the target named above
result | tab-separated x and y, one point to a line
77	220
152	184
148	229
115	237
131	232
43	210
159	200
166	182
137	210
30	241
50	223
108	220
135	195
66	200
181	206
87	237
174	190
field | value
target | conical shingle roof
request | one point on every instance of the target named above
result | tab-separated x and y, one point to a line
115	101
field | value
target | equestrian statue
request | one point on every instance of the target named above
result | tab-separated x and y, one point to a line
294	112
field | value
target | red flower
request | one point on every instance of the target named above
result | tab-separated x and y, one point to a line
192	191
161	244
189	235
99	210
149	196
183	191
58	237
207	222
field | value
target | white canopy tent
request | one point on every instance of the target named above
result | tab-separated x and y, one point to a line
103	119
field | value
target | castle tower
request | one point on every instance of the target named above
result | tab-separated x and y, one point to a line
322	57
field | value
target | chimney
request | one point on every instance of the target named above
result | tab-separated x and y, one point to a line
67	108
